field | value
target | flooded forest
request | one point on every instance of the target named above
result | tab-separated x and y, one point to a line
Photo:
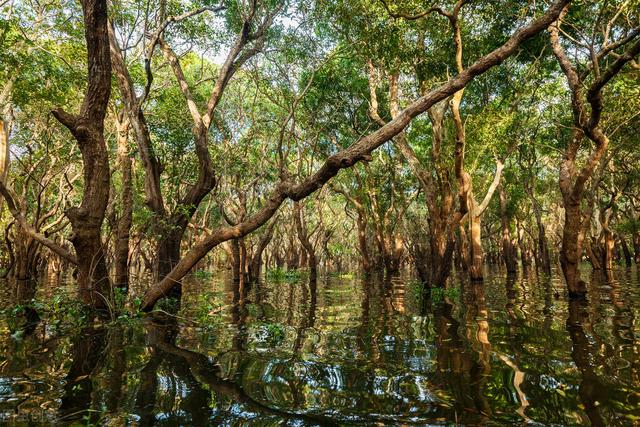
326	212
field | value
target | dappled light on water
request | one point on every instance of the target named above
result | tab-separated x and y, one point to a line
342	350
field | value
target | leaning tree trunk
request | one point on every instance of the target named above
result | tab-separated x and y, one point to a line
87	128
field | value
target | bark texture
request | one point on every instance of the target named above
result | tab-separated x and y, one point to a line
87	128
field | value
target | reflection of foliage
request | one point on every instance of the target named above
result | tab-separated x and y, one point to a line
274	333
205	311
280	275
386	361
438	295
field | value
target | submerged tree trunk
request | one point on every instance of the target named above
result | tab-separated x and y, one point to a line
525	252
542	244
571	250
586	124
625	251
167	256
508	250
301	228
255	265
123	230
594	252
363	246
636	246
87	128
476	255
607	238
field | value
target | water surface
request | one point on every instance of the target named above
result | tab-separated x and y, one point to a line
343	350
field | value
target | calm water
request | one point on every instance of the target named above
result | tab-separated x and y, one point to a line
342	351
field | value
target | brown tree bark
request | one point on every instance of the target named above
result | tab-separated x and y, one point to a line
303	236
359	151
123	228
607	237
587	124
542	244
625	251
525	251
507	246
255	265
87	128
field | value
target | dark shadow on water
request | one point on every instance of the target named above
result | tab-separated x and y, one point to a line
591	390
87	353
507	351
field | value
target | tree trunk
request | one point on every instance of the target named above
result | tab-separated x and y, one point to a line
87	128
255	266
607	238
476	255
543	246
625	251
608	246
525	253
571	251
121	255
4	150
303	236
167	256
636	246
363	247
586	124
507	245
594	253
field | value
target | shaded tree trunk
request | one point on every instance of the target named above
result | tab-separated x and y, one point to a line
625	251
123	229
87	128
507	246
255	265
542	244
301	228
586	124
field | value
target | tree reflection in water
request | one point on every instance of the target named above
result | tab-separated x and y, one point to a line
340	351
